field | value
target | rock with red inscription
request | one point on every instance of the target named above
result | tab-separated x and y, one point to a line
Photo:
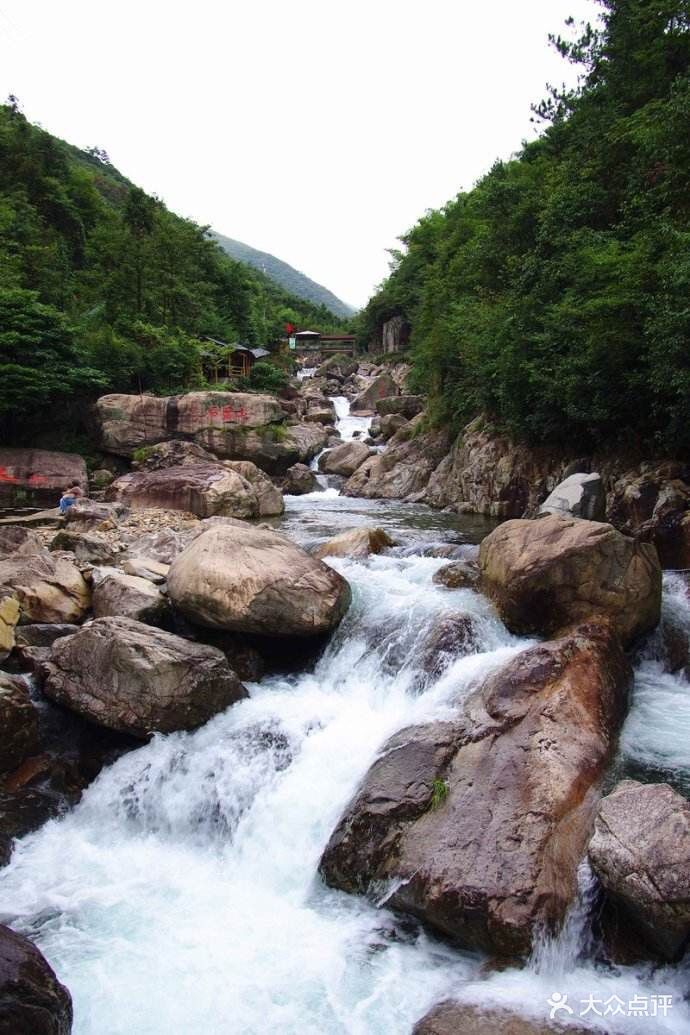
230	425
38	477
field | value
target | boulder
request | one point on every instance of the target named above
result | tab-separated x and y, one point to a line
344	459
32	1000
146	568
641	853
655	506
43	634
245	579
48	587
161	547
15	540
9	616
382	387
87	549
403	469
38	477
407	406
299	480
453	1018
580	495
452	635
337	366
269	498
127	596
458	575
320	411
130	677
543	575
477	825
130	422
18	722
388	425
355	542
203	489
90	516
487	473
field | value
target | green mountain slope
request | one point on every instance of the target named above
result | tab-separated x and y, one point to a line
103	289
284	275
553	296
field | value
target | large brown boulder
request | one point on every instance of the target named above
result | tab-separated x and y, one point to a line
453	1018
231	425
32	1000
203	489
477	826
407	406
299	480
128	596
245	579
655	506
15	540
48	586
641	853
87	549
133	678
355	542
18	722
382	387
345	459
545	574
39	476
129	422
403	469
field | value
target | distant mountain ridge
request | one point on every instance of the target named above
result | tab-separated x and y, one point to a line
285	275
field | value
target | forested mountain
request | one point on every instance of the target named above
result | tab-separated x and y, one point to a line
284	275
555	295
102	288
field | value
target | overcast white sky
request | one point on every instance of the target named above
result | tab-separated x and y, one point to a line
318	130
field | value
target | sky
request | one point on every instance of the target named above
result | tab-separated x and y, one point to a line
318	130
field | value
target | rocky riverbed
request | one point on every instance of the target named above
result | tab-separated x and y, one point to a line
317	762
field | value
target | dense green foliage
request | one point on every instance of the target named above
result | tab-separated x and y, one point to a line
286	276
555	295
103	289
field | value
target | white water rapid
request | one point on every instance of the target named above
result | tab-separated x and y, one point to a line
181	895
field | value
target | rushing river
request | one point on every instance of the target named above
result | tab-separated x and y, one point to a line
181	896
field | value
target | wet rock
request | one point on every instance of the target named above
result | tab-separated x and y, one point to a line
40	475
15	540
344	459
299	480
477	826
355	542
453	1018
452	635
18	722
544	574
245	579
403	469
131	677
87	549
32	1000
580	495
641	853
48	587
458	575
383	386
407	406
128	596
202	489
